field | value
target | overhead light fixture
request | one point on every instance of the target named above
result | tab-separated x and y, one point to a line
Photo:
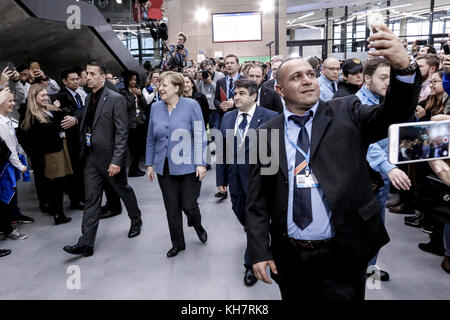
301	17
119	1
410	15
381	9
201	15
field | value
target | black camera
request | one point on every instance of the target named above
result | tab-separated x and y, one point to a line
180	46
205	74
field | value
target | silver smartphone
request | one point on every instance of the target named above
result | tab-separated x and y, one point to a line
419	141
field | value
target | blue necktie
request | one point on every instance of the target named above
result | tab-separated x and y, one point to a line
243	123
231	89
333	87
79	102
302	210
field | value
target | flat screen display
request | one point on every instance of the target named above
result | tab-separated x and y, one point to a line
421	142
236	27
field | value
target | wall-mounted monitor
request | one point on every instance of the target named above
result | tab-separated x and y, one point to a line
237	26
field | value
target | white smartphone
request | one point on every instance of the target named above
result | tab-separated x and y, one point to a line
419	141
374	20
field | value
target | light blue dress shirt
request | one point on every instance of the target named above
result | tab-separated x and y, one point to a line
320	228
235	78
377	154
326	91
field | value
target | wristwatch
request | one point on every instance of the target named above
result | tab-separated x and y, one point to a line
409	69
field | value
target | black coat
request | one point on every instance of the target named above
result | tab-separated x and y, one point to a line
269	99
341	133
131	107
346	89
203	102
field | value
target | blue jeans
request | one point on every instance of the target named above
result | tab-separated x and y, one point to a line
381	197
447	240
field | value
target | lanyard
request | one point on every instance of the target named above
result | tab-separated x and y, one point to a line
293	144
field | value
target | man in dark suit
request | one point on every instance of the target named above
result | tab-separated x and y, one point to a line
267	97
224	97
315	221
272	82
243	121
72	103
103	139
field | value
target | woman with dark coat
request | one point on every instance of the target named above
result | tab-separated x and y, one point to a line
190	91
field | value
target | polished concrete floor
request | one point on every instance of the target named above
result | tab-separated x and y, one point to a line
138	268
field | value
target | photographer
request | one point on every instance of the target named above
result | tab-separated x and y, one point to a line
180	53
206	84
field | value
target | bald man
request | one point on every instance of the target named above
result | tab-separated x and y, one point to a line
315	221
328	81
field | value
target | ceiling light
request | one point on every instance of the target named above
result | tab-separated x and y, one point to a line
267	6
202	15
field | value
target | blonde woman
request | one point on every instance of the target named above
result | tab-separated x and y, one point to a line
49	153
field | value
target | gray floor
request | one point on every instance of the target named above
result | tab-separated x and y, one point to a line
137	268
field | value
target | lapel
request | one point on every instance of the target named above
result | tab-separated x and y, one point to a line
278	124
71	98
85	109
256	119
321	122
101	103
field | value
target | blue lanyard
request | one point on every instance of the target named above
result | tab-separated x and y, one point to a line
293	144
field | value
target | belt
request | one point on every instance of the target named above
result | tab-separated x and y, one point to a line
311	244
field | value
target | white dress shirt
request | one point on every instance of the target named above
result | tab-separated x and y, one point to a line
240	118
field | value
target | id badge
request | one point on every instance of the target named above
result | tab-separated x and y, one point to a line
209	96
62	134
303	181
88	139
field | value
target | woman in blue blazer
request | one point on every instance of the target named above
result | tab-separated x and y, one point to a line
175	147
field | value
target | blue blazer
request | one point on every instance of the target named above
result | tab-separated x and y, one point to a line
236	175
178	137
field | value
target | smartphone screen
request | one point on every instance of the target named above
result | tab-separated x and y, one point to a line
419	142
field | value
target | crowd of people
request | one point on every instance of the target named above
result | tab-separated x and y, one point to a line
78	136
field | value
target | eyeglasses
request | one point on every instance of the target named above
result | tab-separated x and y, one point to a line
333	69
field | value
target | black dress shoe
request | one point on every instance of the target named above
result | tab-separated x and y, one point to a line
432	248
201	232
384	276
61	219
135	229
415	221
4	252
173	252
85	251
221	195
109	214
249	277
401	209
413	218
77	205
132	173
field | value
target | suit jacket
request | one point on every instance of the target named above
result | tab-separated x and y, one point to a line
342	130
186	121
109	130
270	99
218	99
70	106
131	107
269	84
226	174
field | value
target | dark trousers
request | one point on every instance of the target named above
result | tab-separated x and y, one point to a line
95	178
42	186
56	196
180	193
319	274
136	139
238	199
5	218
74	186
112	198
